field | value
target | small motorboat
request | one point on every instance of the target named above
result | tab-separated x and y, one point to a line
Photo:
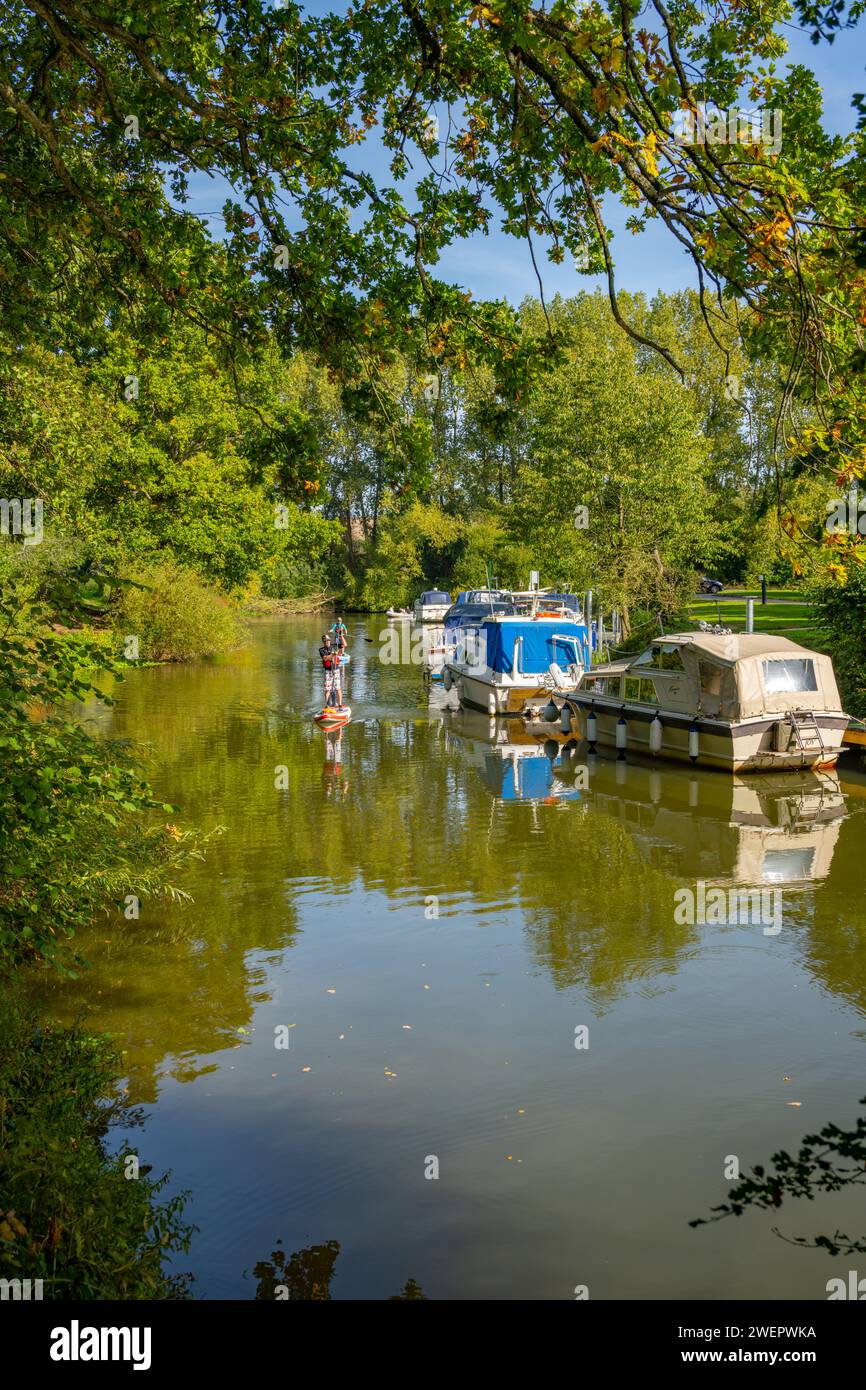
398	614
333	716
432	606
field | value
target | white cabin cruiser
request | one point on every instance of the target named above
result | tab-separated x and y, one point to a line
745	702
432	606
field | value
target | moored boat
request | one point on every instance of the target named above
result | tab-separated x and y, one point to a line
504	661
432	606
744	702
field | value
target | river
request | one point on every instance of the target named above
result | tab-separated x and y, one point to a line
512	1071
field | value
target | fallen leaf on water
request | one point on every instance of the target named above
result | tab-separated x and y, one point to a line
509	1157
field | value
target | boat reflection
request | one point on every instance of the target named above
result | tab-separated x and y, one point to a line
779	830
516	764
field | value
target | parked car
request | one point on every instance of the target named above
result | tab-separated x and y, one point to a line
710	586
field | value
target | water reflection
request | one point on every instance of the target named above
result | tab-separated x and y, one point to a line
307	1276
776	830
516	765
410	808
553	875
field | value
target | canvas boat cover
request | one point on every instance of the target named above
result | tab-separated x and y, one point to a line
543	643
758	674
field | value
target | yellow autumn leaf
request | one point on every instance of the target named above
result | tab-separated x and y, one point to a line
649	153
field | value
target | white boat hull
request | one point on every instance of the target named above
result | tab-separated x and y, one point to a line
430	612
745	746
505	695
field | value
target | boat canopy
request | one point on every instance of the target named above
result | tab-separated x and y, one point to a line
745	674
435	596
542	644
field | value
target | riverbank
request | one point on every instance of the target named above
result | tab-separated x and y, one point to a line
87	1222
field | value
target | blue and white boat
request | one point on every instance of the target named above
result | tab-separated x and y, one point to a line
501	663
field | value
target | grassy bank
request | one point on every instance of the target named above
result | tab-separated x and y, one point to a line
787	613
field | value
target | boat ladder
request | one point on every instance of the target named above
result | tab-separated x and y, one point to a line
805	730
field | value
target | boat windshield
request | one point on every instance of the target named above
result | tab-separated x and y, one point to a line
661	656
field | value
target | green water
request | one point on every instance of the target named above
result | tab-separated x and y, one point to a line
417	1037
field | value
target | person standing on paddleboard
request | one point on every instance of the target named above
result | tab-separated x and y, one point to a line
341	633
330	658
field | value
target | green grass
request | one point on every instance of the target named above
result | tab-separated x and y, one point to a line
789	616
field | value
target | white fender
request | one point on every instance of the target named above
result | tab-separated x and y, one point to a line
655	735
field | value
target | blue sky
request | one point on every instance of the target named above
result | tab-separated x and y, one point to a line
497	266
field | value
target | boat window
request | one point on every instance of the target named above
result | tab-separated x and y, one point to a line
711	678
643	690
789	675
662	656
788	865
602	685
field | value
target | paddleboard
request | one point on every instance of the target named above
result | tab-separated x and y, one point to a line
330	717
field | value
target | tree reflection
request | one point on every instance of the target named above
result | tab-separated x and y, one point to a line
306	1276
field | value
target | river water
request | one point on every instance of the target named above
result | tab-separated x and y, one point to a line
476	953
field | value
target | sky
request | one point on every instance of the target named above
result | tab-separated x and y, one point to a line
498	266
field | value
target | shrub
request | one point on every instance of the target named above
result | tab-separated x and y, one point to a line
78	825
841	610
69	1215
174	615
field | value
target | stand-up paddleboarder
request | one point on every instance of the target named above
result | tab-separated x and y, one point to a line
330	658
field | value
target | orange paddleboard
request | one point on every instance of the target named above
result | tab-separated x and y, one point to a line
330	717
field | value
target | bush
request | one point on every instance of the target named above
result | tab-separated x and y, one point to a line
69	1215
174	615
79	828
841	611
